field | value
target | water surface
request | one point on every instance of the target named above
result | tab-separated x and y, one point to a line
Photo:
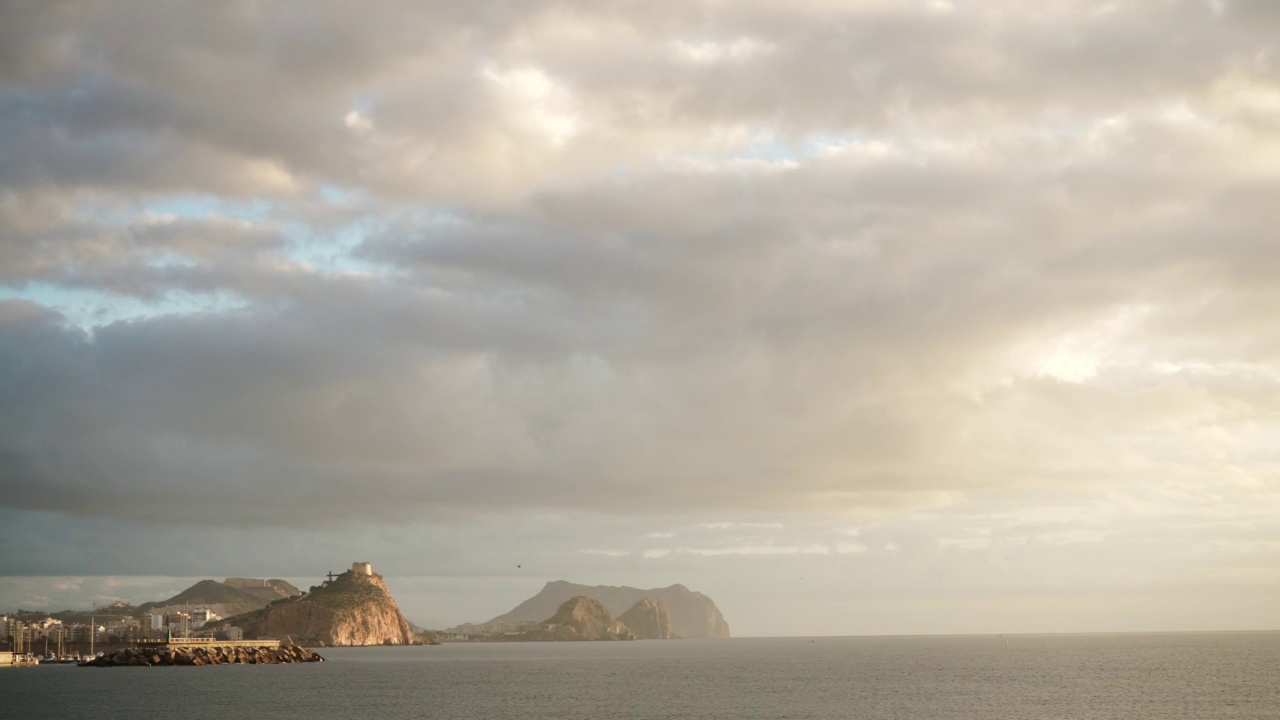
1072	677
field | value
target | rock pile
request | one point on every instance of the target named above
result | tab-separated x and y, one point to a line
212	655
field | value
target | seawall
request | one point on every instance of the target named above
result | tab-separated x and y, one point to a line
240	653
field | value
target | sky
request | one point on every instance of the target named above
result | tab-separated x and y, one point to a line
860	317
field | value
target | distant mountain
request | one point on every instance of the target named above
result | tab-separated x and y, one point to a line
355	608
265	590
76	616
692	613
233	599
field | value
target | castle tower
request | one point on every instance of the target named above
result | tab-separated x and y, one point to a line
361	568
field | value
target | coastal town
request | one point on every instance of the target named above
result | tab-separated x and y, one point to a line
244	614
30	637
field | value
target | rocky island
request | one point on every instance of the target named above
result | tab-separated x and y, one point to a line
674	611
584	618
579	618
649	619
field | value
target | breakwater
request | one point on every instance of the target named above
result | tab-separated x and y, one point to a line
196	655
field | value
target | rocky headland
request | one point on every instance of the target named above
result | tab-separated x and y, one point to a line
691	613
355	608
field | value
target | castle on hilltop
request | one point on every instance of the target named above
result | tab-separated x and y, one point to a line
361	568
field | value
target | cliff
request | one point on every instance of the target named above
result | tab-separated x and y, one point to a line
352	609
648	620
692	613
579	618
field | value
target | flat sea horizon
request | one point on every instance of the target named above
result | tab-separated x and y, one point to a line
1130	676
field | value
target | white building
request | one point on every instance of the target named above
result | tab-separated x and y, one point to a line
200	616
361	568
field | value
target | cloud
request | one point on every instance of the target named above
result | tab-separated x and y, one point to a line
426	261
870	325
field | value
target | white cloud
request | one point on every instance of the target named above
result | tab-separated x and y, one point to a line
712	51
357	121
757	550
537	102
741	525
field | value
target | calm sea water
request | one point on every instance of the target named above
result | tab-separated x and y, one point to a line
1073	677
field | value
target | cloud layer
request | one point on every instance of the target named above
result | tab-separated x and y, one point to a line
414	262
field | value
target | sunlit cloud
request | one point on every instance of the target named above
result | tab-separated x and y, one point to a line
916	299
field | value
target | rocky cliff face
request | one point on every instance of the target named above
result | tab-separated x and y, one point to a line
350	610
692	613
648	620
579	618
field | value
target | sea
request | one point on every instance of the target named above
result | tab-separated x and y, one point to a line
1198	676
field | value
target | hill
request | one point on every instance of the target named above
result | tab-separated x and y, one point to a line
230	599
692	613
355	608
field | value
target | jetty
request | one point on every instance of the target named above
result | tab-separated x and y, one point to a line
204	651
206	642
